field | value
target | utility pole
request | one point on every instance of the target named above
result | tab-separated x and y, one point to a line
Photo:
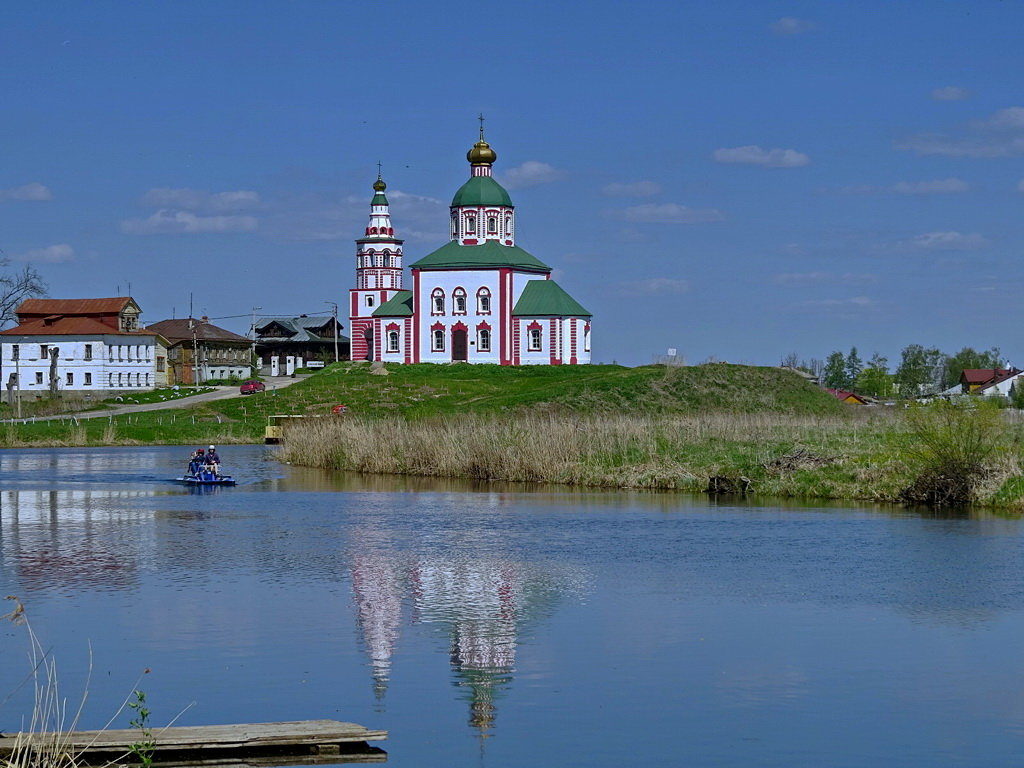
334	304
252	353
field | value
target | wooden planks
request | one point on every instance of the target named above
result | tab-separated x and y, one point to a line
329	741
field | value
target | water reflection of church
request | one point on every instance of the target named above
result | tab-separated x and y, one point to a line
481	604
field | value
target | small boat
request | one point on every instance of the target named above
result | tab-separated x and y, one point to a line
205	477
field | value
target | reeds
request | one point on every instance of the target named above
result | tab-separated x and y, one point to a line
621	450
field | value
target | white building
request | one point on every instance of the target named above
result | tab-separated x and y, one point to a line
80	346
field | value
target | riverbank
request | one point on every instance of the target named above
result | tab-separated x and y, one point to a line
418	392
868	455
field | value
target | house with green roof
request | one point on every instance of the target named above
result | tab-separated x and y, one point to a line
479	298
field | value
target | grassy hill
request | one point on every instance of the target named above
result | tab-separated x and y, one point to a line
416	391
422	391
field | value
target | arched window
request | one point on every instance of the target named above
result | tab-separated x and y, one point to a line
586	339
483	301
392	341
483	340
455	225
369	301
508	225
492	225
437	302
535	339
471	224
437	340
459	301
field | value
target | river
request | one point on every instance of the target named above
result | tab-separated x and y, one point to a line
514	626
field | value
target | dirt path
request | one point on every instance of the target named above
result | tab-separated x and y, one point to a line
220	393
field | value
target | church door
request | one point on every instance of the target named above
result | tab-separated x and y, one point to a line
368	336
459	347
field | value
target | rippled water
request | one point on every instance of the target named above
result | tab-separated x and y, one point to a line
505	626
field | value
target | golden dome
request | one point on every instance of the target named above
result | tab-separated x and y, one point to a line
481	153
379	185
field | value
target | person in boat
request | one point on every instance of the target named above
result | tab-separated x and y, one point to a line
197	461
213	460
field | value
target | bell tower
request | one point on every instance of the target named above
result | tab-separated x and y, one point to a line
378	272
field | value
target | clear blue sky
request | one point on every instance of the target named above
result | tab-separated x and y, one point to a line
733	179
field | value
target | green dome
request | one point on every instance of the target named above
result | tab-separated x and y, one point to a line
482	190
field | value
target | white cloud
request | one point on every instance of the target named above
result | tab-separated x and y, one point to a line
854	302
934	187
1011	118
950	241
1001	134
51	254
634	189
790	25
817	278
168	220
658	286
930	187
239	200
34	191
951	93
198	200
670	213
531	174
752	154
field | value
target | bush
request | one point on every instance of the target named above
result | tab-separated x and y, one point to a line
952	445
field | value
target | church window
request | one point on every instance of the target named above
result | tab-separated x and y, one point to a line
71	379
44	352
535	340
586	339
437	340
508	225
492	225
88	351
88	379
369	301
483	301
471	225
437	302
39	377
392	341
483	340
459	301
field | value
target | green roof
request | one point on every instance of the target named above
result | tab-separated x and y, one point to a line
399	305
490	253
379	199
545	298
481	190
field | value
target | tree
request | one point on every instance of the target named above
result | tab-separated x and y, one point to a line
15	287
875	380
969	358
790	360
921	370
1017	395
853	366
834	375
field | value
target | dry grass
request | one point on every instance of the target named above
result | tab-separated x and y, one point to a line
637	451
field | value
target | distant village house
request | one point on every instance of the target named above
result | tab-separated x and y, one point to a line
82	347
199	351
284	344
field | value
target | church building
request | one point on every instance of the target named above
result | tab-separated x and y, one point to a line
479	298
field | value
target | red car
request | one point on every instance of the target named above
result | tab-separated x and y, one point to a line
252	387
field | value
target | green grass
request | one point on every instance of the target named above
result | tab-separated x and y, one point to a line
426	391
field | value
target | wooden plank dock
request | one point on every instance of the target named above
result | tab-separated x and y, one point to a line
263	744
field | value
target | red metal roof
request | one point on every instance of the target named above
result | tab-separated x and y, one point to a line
842	394
179	330
69	326
42	307
989	376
